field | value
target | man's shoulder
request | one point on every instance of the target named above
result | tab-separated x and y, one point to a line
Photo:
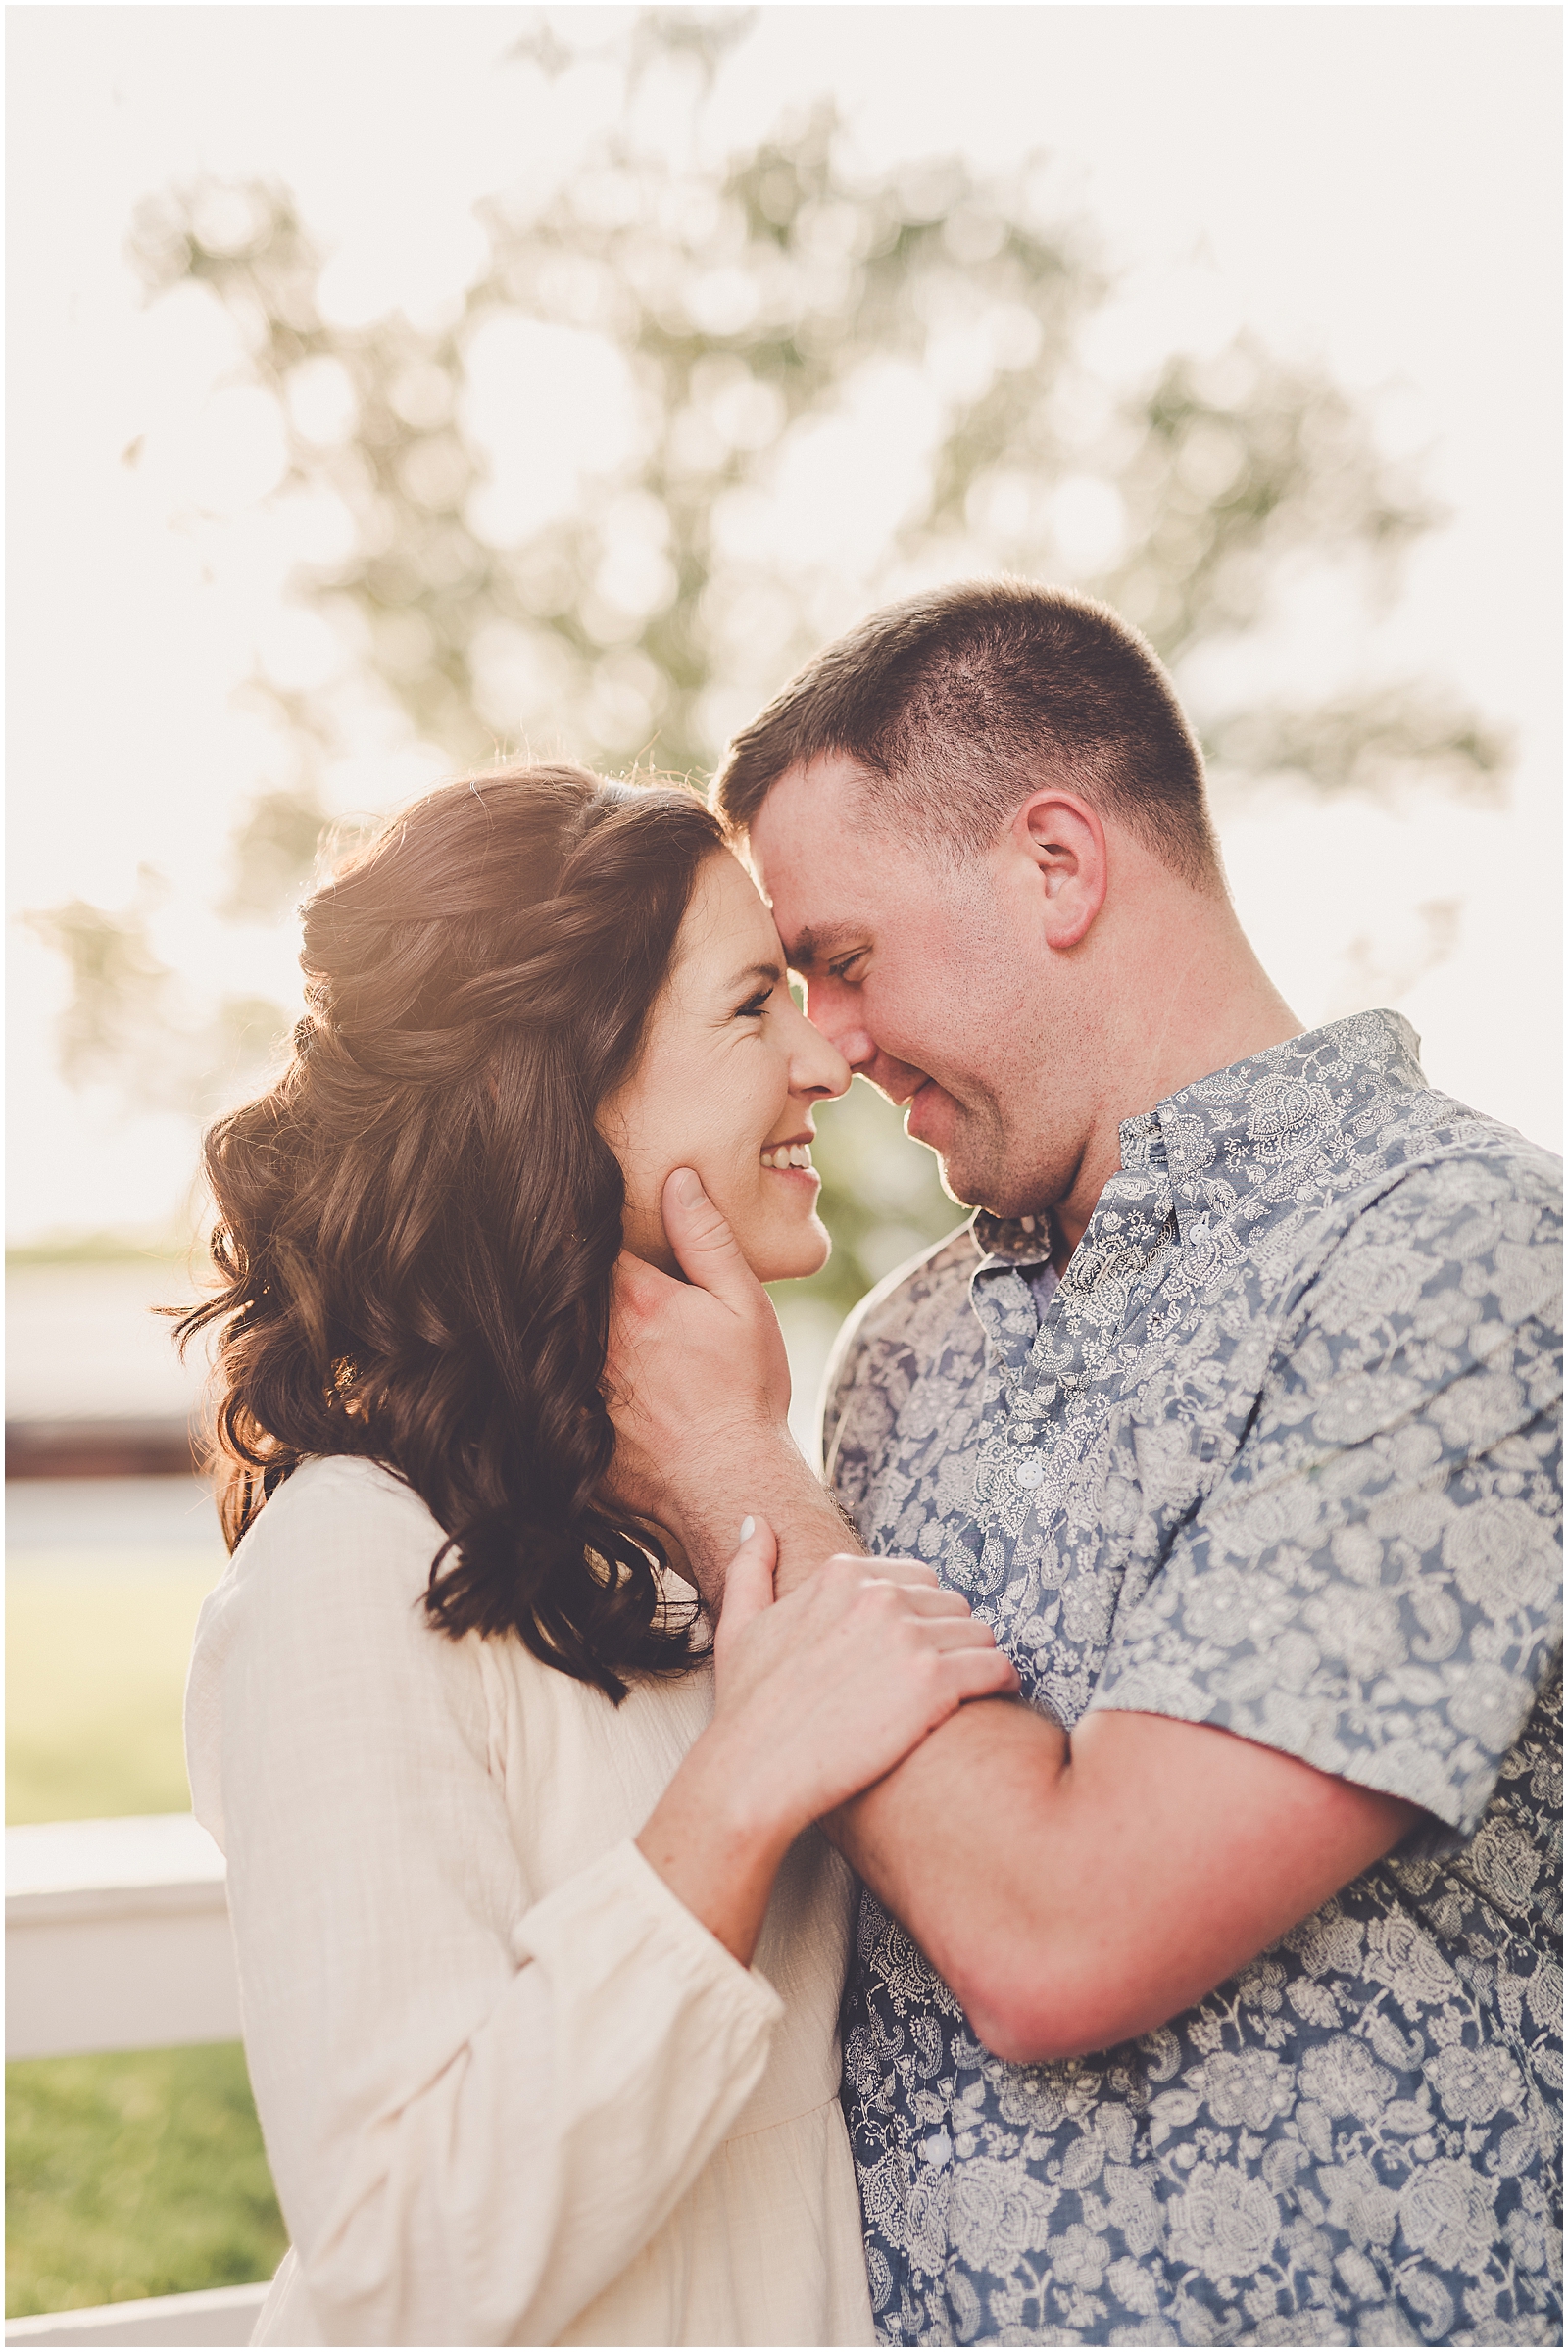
1429	1130
1414	1175
1445	1166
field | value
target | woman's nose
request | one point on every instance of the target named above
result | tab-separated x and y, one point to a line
816	1066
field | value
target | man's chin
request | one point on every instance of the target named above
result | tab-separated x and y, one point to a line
962	1191
971	1177
933	1118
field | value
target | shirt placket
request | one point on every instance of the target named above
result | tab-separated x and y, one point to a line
1009	1314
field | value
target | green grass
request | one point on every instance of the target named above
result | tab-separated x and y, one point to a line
137	2173
141	2171
76	1248
95	1675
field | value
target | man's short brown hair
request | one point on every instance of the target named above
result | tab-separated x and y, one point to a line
959	704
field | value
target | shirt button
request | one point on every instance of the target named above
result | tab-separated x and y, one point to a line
1030	1473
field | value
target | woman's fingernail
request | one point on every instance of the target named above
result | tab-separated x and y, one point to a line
748	1530
688	1187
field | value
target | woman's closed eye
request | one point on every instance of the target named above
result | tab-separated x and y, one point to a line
755	1006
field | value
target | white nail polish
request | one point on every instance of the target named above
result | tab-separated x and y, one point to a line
748	1530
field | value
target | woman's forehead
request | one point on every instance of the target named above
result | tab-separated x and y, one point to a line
727	926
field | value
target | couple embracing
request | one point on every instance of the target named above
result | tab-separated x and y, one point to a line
1080	1872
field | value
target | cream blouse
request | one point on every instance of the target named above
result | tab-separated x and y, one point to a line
511	2090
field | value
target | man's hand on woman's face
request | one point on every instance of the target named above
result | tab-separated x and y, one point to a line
708	1349
698	1386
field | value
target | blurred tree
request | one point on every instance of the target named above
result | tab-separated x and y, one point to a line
128	1023
274	850
118	988
690	421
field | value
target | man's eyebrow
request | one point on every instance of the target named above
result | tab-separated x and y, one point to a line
813	948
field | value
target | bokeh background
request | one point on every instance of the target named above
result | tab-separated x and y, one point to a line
399	388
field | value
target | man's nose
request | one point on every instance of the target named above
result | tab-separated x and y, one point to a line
816	1066
837	1013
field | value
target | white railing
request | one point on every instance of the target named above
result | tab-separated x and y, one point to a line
117	1938
224	2315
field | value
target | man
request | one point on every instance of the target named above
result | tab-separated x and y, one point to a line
1210	1995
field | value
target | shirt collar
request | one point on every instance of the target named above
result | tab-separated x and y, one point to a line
1219	1138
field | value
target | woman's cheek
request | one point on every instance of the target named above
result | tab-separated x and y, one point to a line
736	1187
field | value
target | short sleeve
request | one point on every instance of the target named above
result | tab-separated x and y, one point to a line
1374	1587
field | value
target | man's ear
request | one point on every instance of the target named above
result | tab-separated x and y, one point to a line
1064	840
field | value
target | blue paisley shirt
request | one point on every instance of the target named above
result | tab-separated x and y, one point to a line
1280	1452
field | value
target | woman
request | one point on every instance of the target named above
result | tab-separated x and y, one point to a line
499	1858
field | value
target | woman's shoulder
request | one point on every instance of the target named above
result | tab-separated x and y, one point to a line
341	1552
356	1510
315	1641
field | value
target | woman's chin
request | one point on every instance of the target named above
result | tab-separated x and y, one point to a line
789	1258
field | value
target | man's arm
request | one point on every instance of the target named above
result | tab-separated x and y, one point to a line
1076	1891
1072	1892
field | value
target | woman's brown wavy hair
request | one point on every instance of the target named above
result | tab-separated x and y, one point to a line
418	1224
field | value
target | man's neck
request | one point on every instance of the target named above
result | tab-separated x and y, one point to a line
1191	1028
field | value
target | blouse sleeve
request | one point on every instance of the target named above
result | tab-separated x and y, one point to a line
478	2106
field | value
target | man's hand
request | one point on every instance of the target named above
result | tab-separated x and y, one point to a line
699	1388
1073	1893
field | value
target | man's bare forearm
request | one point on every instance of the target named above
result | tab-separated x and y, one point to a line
945	1843
767	1478
1076	1891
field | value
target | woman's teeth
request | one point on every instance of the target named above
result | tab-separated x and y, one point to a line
788	1156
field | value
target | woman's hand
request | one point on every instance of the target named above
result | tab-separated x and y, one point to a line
816	1696
819	1694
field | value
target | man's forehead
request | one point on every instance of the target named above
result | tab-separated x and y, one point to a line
810	855
819	804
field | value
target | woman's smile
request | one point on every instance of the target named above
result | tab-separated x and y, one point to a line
726	1083
791	1157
